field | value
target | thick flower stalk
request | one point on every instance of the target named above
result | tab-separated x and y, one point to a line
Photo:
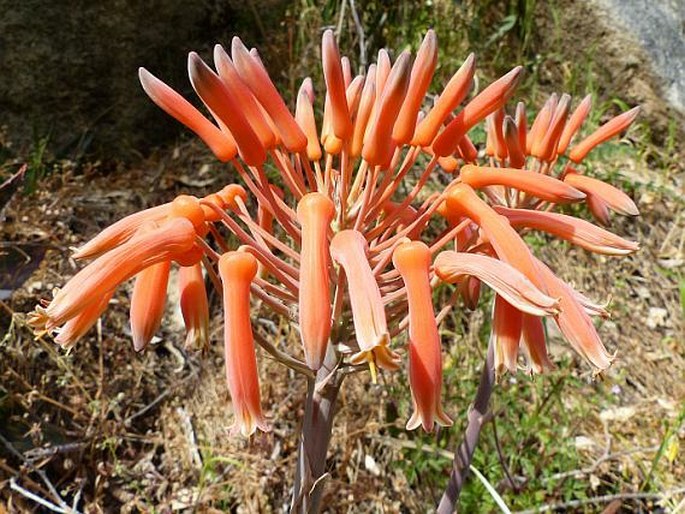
351	239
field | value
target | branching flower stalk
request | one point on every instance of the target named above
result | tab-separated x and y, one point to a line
357	233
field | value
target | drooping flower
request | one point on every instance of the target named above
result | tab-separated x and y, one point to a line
147	303
315	213
237	270
349	249
412	260
194	306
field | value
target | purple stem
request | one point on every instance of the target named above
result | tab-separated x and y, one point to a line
464	454
315	437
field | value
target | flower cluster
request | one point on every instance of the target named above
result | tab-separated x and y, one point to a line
358	232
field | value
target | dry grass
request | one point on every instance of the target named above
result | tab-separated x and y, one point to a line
149	432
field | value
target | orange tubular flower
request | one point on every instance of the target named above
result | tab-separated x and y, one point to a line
147	303
534	345
304	114
507	243
517	158
505	280
315	212
243	97
543	186
378	147
349	249
521	125
574	123
541	123
546	149
118	265
224	105
412	260
599	209
74	329
120	232
335	84
237	270
506	334
257	79
488	101
421	75
574	322
454	93
194	306
613	197
610	129
572	229
178	107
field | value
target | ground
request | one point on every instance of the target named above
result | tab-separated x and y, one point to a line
150	431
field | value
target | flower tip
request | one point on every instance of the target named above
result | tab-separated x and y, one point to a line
316	204
231	193
238	265
409	255
186	206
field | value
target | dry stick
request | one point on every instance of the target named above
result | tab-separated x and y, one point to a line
607	498
360	34
502	460
464	454
45	503
43	476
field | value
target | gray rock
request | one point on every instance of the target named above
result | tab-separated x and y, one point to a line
68	69
659	28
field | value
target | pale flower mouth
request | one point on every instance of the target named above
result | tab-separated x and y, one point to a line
340	231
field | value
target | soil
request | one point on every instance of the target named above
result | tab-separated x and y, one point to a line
128	431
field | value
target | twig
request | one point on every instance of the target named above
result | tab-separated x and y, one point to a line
45	503
594	466
195	456
360	33
50	451
607	498
502	460
159	399
43	476
148	407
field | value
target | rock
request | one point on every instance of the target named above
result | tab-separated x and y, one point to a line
631	50
69	69
657	26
